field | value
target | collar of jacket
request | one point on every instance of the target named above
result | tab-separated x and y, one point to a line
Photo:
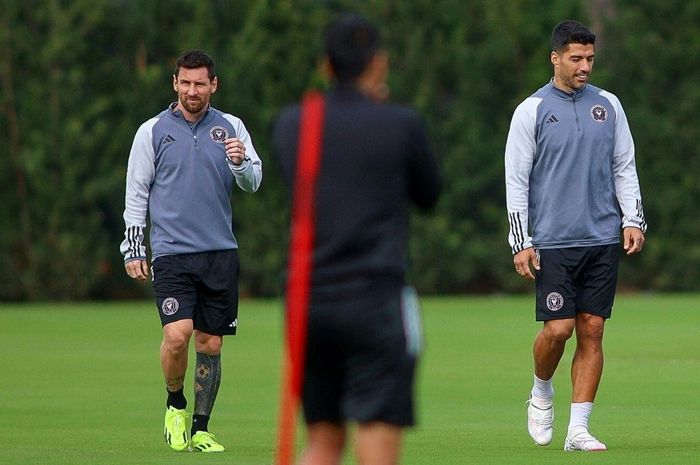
178	114
575	95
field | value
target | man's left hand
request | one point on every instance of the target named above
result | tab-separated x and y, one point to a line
235	150
633	240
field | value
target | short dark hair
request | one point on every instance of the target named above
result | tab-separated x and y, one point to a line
570	32
350	43
194	58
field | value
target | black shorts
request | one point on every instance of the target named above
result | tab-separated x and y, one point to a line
361	357
202	287
576	279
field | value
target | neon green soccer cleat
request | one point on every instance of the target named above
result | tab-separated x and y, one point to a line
175	431
204	441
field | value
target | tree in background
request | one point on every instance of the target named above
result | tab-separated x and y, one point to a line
78	77
59	121
652	59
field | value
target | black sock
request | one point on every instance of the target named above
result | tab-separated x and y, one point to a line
200	423
176	399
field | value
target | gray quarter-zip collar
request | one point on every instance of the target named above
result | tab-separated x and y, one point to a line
174	111
575	95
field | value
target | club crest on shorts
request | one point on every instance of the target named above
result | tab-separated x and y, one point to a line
599	113
170	306
218	134
555	301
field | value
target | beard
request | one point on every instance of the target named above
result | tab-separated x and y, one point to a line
574	83
193	105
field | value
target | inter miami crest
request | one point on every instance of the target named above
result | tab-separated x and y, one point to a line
218	134
555	301
599	113
170	306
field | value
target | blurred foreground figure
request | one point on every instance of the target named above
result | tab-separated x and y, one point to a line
364	331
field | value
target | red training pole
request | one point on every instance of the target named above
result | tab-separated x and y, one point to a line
300	259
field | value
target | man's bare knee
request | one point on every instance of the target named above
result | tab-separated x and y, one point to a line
176	341
326	442
208	343
558	330
378	444
589	328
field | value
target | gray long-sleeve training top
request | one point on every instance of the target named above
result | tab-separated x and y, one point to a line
179	174
571	178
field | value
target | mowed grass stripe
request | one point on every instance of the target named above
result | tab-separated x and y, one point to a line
81	383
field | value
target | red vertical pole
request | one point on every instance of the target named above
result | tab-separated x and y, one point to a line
300	259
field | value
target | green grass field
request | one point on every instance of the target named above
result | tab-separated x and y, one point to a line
81	384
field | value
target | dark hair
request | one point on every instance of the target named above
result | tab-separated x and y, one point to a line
570	32
192	59
350	43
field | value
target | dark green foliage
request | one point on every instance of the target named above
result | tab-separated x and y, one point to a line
654	66
78	77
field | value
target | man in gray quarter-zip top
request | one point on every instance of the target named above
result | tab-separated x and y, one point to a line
571	186
182	167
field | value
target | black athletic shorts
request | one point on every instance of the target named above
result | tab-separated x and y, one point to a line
361	355
576	279
202	287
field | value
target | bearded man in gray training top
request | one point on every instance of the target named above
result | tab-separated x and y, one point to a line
571	185
182	168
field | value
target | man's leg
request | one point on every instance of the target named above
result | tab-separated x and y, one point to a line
549	346
174	352
325	444
207	379
378	444
547	352
173	359
587	366
586	371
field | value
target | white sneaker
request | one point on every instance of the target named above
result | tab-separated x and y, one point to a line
582	440
540	419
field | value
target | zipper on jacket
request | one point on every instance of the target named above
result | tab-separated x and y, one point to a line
573	102
194	134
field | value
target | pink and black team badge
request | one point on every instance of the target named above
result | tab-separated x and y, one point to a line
218	134
555	301
599	113
170	306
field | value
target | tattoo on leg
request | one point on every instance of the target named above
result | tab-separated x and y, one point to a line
174	384
207	378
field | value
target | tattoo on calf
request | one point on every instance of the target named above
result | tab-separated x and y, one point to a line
174	384
207	379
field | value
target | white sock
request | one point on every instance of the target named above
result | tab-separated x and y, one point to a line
542	389
580	412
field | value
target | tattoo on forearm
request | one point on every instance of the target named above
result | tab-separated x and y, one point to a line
207	378
174	384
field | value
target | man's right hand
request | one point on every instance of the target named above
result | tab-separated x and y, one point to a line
522	261
137	269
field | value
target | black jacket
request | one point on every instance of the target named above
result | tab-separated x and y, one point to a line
376	161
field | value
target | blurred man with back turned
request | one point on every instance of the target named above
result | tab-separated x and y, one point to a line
364	332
